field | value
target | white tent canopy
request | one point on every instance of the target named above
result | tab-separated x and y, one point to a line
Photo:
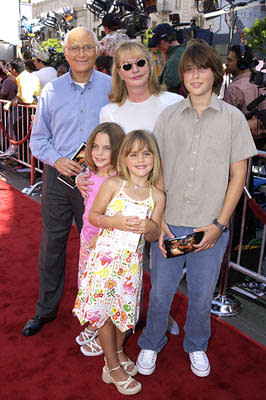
9	26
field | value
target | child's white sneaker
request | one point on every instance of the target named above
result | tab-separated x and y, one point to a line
199	363
146	362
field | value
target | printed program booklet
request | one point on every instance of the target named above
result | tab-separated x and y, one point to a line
79	157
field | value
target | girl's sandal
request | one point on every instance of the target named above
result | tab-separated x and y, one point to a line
86	336
122	386
91	349
128	365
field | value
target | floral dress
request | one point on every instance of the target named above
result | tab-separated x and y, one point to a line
111	284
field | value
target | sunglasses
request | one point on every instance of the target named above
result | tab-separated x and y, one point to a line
141	62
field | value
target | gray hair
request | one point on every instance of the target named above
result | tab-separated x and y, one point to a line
85	29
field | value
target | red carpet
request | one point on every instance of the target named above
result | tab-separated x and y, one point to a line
49	366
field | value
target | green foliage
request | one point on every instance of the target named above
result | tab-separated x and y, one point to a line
147	36
255	37
54	44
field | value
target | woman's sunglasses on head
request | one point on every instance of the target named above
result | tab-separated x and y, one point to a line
141	62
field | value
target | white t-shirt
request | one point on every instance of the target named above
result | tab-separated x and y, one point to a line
144	115
46	74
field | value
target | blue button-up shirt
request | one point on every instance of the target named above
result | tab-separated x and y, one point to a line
66	115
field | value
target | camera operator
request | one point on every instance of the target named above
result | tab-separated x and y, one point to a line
113	35
164	39
44	72
241	91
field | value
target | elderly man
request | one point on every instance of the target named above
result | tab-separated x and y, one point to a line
68	110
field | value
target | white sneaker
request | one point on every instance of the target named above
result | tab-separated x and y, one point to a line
200	365
146	362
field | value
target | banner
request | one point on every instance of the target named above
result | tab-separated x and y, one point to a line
10	21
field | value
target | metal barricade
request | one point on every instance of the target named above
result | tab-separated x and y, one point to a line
15	129
226	305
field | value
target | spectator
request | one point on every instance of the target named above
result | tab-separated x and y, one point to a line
104	64
114	35
28	89
9	88
164	39
29	86
62	69
67	112
44	72
241	92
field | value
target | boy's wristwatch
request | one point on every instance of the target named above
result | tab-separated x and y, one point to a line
222	228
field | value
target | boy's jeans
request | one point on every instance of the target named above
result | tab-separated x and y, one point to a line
202	272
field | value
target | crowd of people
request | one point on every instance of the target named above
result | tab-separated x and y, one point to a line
165	158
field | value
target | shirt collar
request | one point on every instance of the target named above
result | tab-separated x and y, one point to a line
87	85
214	103
241	76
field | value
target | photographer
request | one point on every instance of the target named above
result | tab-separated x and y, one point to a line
113	35
164	39
44	72
241	92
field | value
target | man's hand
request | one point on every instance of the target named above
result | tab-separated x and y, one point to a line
67	167
164	231
211	235
83	184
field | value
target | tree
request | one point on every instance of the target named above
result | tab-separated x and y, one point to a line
255	37
53	44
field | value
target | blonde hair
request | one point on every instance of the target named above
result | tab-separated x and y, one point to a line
116	136
136	50
143	138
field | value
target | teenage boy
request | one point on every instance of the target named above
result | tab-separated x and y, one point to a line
204	145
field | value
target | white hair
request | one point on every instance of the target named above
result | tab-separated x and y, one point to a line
85	29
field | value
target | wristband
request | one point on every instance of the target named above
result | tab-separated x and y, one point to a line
99	221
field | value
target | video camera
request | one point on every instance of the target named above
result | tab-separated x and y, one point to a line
133	14
258	78
193	31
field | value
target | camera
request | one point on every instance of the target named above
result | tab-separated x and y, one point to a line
133	14
258	78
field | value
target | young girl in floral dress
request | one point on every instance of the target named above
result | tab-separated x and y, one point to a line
101	159
128	209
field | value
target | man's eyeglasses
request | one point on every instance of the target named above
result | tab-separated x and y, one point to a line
139	63
76	49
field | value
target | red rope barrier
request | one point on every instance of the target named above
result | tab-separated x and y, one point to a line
15	142
257	210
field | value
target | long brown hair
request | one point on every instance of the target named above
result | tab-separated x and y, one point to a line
116	136
143	138
137	50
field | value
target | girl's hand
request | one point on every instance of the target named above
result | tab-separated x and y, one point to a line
144	226
211	235
83	183
125	223
93	240
164	231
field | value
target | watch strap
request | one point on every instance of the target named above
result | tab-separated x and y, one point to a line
222	228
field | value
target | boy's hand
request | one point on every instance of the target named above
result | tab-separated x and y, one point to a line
164	231
211	235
